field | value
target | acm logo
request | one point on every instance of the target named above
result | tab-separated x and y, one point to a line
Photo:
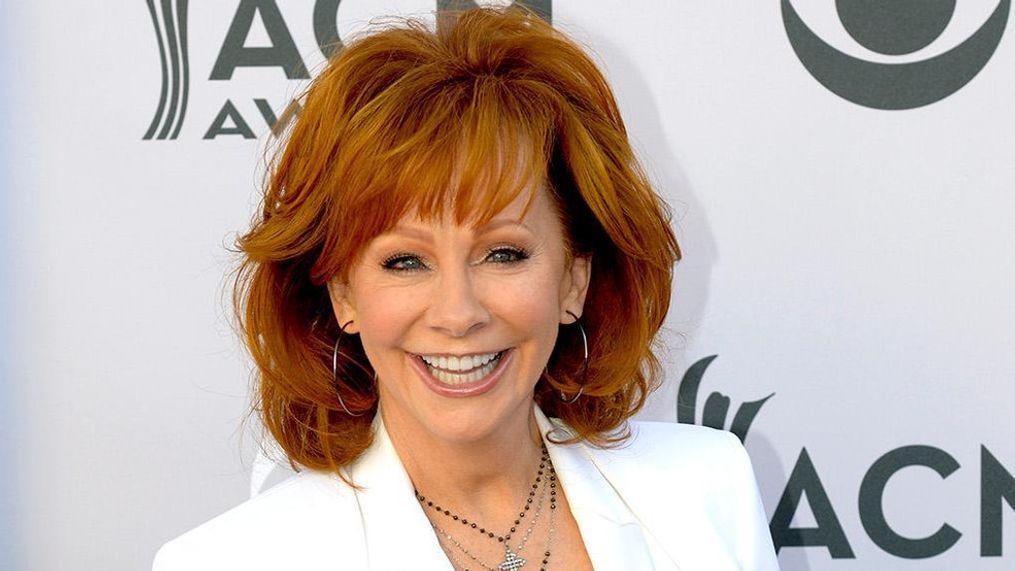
716	406
895	28
889	28
997	487
169	20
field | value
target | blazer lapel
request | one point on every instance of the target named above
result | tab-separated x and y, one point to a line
612	535
397	533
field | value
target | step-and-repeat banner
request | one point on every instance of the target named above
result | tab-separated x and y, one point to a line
843	180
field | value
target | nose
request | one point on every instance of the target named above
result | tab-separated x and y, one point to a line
457	308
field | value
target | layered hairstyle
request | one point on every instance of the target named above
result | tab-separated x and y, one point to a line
456	118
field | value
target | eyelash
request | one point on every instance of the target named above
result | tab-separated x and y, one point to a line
389	264
519	254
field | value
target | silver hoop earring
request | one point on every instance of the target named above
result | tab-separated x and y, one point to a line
334	370
585	365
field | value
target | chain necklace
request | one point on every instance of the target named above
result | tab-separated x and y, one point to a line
482	529
518	550
512	562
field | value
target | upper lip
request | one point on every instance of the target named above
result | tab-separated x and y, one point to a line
459	355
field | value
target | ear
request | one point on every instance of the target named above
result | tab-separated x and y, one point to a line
575	287
343	305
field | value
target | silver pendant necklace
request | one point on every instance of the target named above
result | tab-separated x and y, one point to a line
512	560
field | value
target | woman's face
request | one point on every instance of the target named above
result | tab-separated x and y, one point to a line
459	321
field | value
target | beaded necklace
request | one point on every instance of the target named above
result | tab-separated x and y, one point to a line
512	561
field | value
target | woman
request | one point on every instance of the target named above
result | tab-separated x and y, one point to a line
451	296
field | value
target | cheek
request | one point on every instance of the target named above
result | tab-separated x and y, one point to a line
528	302
384	320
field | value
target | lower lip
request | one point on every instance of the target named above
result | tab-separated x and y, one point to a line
472	389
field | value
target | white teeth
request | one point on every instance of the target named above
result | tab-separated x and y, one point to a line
454	363
440	368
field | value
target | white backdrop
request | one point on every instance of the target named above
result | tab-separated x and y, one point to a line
856	261
8	268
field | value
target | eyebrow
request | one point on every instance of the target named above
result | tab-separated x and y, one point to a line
495	224
412	233
482	229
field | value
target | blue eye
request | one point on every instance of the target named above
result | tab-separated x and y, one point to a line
506	255
404	263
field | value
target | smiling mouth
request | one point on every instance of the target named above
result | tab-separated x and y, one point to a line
461	370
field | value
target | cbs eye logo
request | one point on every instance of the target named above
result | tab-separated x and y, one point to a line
895	28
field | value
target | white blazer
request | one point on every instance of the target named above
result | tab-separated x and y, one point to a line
677	497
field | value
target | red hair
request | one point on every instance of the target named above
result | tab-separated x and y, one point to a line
411	118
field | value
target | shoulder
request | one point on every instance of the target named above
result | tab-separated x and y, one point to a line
685	448
710	463
671	463
689	438
693	482
293	522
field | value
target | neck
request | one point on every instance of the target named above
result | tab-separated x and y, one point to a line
487	476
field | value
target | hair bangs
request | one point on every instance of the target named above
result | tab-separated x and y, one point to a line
495	153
